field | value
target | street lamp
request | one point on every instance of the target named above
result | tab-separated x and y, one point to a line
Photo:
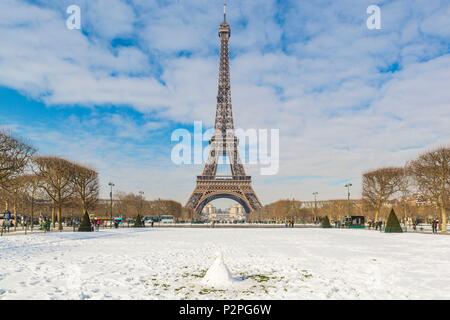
405	193
111	202
141	193
315	204
348	185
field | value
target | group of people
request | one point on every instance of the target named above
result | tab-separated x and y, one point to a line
377	225
290	224
9	220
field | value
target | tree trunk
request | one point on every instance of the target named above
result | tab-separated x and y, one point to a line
443	219
60	227
32	213
377	213
15	213
53	215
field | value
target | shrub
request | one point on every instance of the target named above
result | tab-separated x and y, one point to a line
85	225
138	222
393	225
326	222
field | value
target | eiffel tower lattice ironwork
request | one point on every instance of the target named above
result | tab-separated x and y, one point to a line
237	186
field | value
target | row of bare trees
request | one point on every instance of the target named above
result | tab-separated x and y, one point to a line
26	178
130	205
283	210
294	210
425	179
419	189
28	181
63	181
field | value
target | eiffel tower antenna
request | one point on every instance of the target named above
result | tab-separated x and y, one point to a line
224	143
225	11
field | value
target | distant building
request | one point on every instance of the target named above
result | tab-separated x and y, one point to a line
222	215
237	213
210	212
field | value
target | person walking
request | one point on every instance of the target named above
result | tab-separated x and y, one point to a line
379	225
435	226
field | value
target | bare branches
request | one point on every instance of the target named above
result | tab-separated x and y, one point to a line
56	176
427	178
380	185
431	173
130	205
14	158
86	186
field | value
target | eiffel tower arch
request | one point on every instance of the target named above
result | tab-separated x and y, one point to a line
238	185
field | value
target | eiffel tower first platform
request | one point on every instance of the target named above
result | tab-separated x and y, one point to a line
238	185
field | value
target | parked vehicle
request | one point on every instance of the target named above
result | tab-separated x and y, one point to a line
354	222
152	218
167	219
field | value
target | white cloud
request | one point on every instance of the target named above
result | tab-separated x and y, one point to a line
437	24
312	71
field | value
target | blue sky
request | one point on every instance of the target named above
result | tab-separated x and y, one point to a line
346	99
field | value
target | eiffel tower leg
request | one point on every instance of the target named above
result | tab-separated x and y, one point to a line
194	200
209	189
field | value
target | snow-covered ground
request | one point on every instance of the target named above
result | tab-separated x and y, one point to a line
264	263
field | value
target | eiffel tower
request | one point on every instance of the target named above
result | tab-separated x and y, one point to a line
237	186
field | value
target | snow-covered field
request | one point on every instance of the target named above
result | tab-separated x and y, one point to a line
265	264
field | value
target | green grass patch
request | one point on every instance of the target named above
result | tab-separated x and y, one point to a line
260	278
199	274
209	290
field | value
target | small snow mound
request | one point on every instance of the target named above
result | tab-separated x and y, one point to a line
218	275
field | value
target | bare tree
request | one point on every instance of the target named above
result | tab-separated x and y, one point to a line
86	186
56	176
32	189
431	172
15	155
380	185
335	209
169	207
281	210
129	204
16	187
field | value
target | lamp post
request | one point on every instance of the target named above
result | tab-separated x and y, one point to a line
405	194
141	194
348	185
315	204
111	203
